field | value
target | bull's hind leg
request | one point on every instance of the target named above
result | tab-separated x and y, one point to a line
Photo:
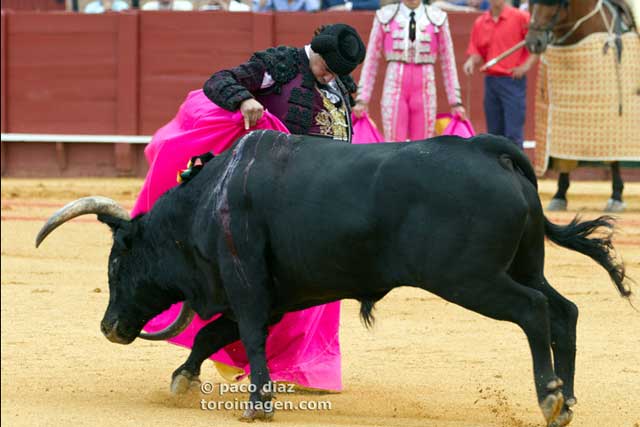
564	318
526	269
211	338
502	298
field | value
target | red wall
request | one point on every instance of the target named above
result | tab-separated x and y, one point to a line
127	73
41	5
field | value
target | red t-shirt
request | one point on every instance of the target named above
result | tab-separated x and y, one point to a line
490	38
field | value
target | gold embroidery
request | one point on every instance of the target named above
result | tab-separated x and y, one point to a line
332	120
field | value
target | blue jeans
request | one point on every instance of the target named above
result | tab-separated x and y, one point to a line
505	106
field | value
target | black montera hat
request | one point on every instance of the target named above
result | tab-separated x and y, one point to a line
341	48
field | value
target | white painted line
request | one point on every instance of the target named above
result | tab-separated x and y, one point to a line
100	139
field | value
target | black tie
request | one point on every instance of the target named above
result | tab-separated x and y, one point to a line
412	26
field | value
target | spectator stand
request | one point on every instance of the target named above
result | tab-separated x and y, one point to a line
81	5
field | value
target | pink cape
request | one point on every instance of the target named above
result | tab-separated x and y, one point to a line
303	348
454	125
365	130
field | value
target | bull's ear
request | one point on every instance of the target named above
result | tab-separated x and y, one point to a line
121	229
113	222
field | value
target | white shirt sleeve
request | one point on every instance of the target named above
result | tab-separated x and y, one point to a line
94	7
236	6
267	81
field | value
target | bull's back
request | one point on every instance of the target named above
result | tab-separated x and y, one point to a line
339	212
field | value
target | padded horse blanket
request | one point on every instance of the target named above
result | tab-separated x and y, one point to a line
580	92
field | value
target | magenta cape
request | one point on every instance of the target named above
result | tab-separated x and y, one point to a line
303	348
365	131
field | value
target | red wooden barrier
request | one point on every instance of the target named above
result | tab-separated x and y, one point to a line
127	102
3	71
127	73
33	5
63	71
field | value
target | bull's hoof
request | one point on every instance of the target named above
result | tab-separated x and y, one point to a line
563	419
554	384
557	205
251	414
551	407
184	381
615	206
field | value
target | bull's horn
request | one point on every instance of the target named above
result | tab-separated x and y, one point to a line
178	325
86	205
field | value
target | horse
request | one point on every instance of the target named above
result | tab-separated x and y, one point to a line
564	23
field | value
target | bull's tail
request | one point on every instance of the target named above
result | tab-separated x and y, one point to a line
575	236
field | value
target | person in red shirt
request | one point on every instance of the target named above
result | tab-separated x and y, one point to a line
505	88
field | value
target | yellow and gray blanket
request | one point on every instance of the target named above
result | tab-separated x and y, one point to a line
580	92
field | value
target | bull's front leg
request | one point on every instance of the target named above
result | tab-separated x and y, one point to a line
241	249
247	285
211	338
253	333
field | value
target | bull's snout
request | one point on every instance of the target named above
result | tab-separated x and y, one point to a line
111	332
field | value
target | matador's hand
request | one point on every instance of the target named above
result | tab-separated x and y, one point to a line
252	111
360	108
459	111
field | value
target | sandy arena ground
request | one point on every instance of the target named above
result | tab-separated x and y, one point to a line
425	363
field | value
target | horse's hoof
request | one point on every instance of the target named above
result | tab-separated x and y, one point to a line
615	206
183	382
557	205
563	419
250	415
552	406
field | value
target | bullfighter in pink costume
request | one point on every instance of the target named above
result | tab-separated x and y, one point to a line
411	36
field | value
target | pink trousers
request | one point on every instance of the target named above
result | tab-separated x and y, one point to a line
413	117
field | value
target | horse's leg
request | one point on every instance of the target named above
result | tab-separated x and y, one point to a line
615	203
559	200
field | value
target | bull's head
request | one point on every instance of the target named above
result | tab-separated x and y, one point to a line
133	299
547	16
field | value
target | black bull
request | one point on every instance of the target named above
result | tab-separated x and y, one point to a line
280	223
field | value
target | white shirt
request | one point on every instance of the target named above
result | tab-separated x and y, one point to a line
97	7
405	11
175	5
234	6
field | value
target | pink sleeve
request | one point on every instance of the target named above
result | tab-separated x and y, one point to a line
447	60
370	67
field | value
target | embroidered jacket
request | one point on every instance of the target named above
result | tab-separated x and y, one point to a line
304	106
390	38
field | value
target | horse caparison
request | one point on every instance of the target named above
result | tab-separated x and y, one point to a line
566	22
